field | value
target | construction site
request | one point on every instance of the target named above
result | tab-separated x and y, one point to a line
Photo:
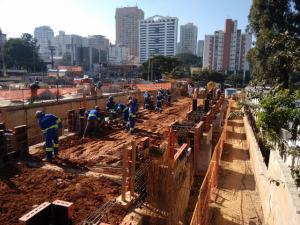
182	166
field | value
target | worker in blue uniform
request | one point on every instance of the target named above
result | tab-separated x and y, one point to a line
132	116
135	102
93	120
159	99
162	93
122	108
146	99
168	94
49	125
110	105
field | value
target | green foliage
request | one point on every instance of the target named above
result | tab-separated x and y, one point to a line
66	60
208	75
235	79
161	65
22	53
235	114
189	59
267	20
296	174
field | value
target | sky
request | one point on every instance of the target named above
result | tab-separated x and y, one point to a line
91	17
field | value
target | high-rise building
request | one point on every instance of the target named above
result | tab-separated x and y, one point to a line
118	54
127	27
98	42
43	35
158	36
226	50
200	48
188	38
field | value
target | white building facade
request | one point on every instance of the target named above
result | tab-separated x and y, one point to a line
226	50
188	38
200	48
118	54
43	35
157	36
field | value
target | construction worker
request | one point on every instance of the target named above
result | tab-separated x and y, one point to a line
146	99
49	125
110	105
93	90
161	91
159	99
169	95
132	116
33	88
99	85
29	79
135	102
93	120
122	108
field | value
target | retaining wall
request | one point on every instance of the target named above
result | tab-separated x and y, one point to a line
20	115
281	204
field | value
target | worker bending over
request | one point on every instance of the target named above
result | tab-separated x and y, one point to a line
93	120
132	116
168	94
110	105
122	108
146	99
49	125
159	99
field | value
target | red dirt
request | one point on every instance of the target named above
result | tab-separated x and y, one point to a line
21	187
106	148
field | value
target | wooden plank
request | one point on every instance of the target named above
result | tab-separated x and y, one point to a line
183	147
124	172
133	154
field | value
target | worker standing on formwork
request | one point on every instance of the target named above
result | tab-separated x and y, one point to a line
159	99
33	92
132	116
122	108
135	102
49	125
93	90
93	120
146	100
168	94
162	93
110	105
99	85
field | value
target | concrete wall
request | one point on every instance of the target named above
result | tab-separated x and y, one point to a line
17	116
281	204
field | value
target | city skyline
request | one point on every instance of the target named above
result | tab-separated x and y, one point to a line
78	14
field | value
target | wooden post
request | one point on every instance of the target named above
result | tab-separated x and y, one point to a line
84	101
4	117
124	172
133	154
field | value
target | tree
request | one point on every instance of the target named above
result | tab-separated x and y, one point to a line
268	19
189	59
161	65
208	75
235	79
22	53
66	60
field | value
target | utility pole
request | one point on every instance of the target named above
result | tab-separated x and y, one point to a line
152	70
2	53
52	49
149	64
108	62
99	64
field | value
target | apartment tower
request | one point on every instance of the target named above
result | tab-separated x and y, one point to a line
127	27
200	48
43	35
188	38
226	50
158	36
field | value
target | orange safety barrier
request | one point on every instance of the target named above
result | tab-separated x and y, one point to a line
208	191
17	95
64	91
153	87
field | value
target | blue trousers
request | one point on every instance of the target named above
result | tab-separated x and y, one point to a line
147	103
125	119
169	99
159	107
51	135
91	123
131	125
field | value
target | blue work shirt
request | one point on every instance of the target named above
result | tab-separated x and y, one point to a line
49	121
159	98
135	101
123	108
161	91
146	95
132	112
168	93
92	114
110	106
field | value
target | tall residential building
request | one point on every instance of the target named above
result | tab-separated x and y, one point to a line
118	54
98	42
226	50
158	36
188	38
127	27
43	34
200	48
66	44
